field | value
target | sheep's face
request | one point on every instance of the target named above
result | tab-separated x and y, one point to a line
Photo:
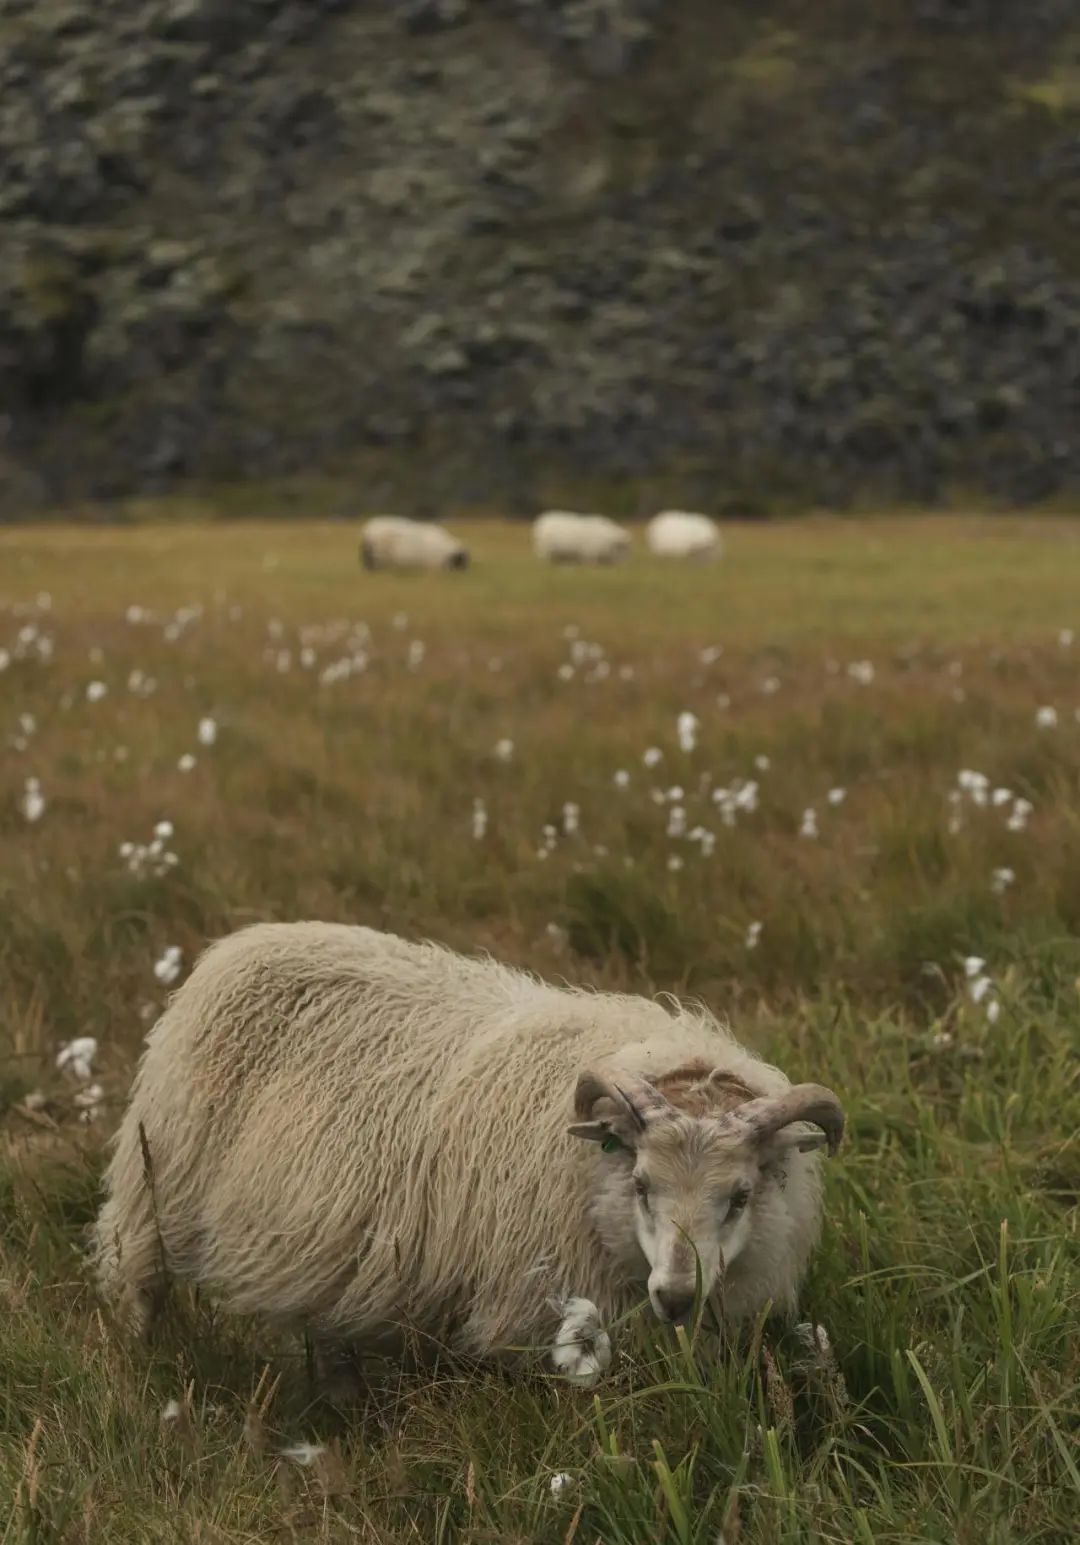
683	1186
692	1189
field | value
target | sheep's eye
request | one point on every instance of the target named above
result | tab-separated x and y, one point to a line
641	1188
611	1144
737	1201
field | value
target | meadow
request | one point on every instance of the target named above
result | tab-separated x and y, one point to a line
829	786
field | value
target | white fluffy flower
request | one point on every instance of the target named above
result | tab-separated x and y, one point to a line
973	964
993	1009
1019	815
581	1350
762	763
168	968
32	803
186	762
1001	880
571	818
504	750
861	671
836	796
622	779
1046	717
808	826
978	987
303	1453
77	1057
95	691
89	1102
560	1483
479	819
652	755
686	728
753	935
207	732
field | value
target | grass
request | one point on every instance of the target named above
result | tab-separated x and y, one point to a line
945	1407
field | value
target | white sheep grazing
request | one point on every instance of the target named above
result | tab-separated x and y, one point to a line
393	542
334	1127
680	534
562	537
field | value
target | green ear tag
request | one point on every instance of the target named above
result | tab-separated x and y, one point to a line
611	1145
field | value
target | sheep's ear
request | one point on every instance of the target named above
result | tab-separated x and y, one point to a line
597	1132
805	1142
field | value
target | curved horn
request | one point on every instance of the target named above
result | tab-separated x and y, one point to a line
802	1102
636	1098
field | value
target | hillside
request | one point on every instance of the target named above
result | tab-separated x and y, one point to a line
471	251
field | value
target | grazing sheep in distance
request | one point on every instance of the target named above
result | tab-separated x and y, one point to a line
680	534
562	537
335	1127
393	542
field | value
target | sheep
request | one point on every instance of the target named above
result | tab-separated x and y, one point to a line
383	1141
562	537
679	534
393	542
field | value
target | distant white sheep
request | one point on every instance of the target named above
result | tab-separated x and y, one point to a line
562	537
335	1127
393	542
680	534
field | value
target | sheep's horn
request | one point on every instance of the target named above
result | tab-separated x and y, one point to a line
634	1095
803	1102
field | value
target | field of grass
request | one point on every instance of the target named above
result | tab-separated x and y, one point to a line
495	759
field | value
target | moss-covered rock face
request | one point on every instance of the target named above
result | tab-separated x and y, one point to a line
831	248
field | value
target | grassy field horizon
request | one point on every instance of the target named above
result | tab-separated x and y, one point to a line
828	785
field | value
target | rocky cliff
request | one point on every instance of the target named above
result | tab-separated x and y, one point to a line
459	250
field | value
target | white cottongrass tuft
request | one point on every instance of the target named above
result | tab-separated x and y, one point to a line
753	935
479	819
1066	637
581	1350
770	685
622	779
504	750
303	1453
95	691
675	862
77	1057
1001	880
1046	717
687	727
973	964
762	763
1019	815
168	968
571	818
836	796
652	756
978	987
207	732
32	803
861	671
676	826
808	827
186	763
993	1009
417	651
89	1102
561	1482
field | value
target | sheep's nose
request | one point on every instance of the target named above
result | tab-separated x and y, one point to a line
675	1303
